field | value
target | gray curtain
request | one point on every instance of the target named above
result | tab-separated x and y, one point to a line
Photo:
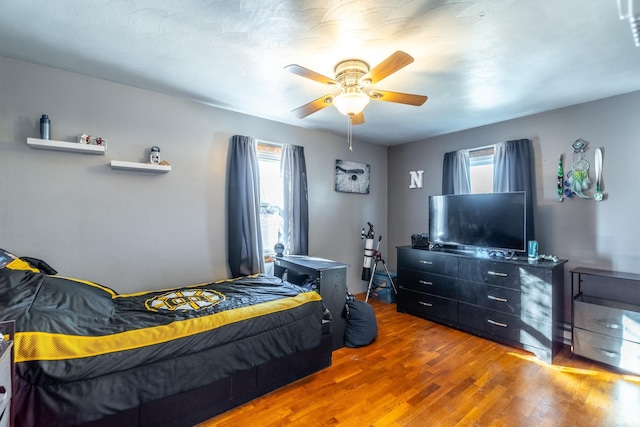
243	208
296	204
456	178
513	171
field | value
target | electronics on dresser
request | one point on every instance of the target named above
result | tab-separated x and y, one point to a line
420	240
488	220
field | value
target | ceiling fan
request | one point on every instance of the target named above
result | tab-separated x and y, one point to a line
354	79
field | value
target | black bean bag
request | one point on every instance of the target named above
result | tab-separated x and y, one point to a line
361	327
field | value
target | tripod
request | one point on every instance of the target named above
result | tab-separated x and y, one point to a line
377	257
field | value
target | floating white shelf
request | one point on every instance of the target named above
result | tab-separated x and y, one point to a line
117	164
49	144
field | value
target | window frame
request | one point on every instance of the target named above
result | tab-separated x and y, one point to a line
480	157
268	152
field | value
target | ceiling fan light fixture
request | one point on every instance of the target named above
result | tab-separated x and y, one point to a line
354	78
351	101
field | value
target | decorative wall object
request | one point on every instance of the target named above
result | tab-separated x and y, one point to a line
598	196
560	181
416	179
578	177
352	177
577	180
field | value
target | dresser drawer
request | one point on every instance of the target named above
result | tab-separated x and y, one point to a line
428	261
603	348
494	297
522	277
428	306
429	283
607	317
522	329
494	322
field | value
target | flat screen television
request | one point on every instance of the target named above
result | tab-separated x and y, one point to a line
494	221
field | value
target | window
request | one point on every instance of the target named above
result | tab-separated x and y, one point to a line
271	196
481	170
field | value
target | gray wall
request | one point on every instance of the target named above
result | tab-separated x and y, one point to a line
137	231
591	234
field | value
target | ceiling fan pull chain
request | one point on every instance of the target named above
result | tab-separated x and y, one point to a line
350	132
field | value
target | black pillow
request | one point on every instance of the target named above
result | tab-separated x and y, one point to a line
361	327
40	265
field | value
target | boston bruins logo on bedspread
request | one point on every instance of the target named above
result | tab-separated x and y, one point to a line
185	299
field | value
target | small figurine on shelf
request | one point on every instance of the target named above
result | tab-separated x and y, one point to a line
155	155
83	138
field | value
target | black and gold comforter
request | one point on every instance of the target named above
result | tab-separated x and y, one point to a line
85	351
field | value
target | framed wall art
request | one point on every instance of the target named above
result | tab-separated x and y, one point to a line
352	177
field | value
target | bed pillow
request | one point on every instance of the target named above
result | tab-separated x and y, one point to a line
40	265
12	262
9	260
361	326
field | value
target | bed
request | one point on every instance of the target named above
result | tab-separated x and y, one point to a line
86	355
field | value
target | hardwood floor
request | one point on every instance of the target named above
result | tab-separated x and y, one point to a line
419	373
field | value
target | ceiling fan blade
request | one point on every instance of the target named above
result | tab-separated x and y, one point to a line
304	72
358	119
400	98
313	106
393	63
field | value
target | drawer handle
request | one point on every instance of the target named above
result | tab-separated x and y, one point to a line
608	325
3	390
495	273
493	322
608	353
497	298
426	262
427	304
424	282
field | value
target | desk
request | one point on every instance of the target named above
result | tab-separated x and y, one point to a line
6	373
331	279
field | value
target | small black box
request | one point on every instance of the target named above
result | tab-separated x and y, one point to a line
420	240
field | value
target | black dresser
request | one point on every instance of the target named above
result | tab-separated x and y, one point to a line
511	301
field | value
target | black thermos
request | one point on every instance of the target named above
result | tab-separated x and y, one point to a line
44	126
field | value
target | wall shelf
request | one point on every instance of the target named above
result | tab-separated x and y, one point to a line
146	167
49	144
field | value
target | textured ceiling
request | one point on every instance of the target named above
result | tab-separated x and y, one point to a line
479	62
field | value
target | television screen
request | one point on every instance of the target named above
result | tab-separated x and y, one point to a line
488	220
